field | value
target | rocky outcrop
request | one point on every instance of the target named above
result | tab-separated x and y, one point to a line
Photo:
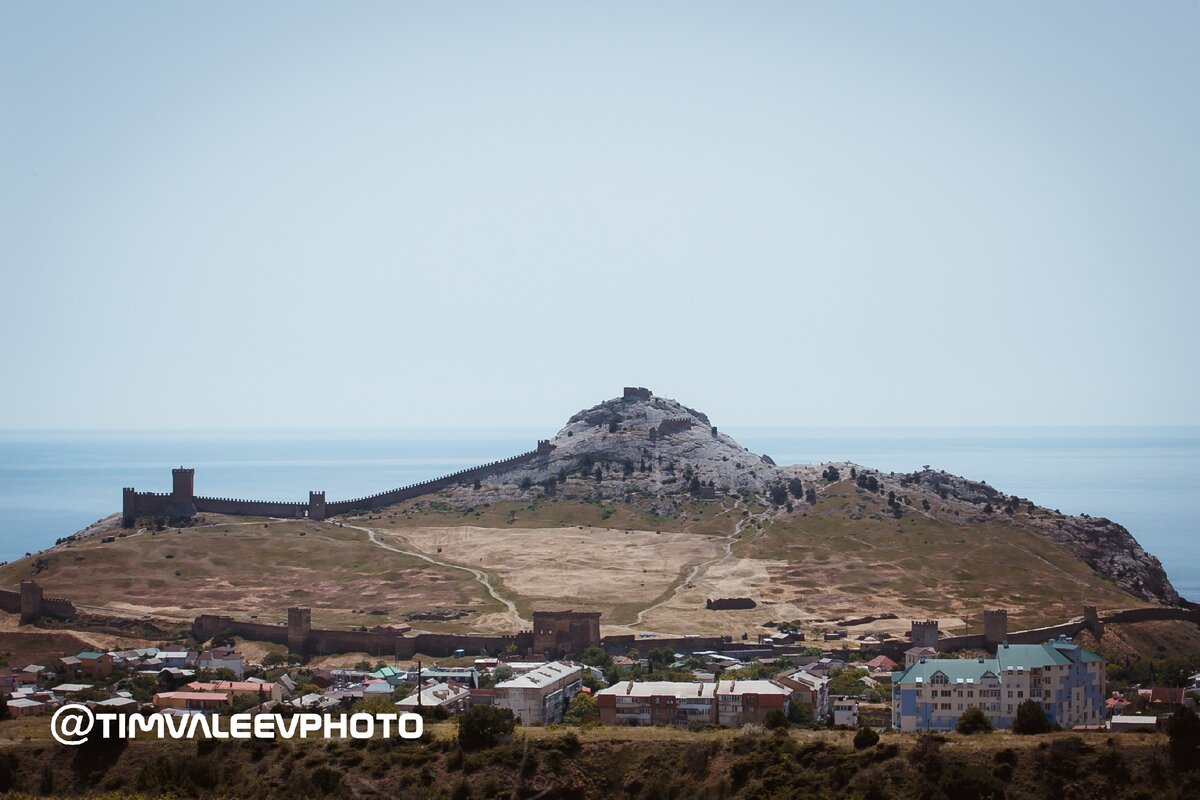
655	445
1105	546
660	451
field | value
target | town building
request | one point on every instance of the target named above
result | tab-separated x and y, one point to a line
25	707
192	701
845	711
808	690
1067	681
450	696
681	703
223	658
260	690
540	696
96	665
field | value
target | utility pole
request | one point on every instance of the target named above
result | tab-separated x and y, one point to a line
419	703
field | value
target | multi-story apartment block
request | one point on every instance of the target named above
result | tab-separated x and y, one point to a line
809	690
732	703
1063	678
540	696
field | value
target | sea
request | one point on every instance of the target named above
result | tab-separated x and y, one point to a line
53	483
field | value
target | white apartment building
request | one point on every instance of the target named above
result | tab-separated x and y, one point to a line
1067	681
540	696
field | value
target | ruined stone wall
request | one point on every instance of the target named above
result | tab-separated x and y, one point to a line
32	605
376	642
729	603
389	498
250	508
10	601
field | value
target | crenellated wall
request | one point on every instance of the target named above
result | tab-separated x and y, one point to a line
32	605
300	637
181	502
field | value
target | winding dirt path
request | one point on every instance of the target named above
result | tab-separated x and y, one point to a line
699	569
482	577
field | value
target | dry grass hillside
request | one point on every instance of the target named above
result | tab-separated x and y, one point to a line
648	565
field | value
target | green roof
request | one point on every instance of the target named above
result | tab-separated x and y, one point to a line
1027	656
955	669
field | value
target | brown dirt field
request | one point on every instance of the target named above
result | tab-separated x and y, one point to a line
249	570
611	570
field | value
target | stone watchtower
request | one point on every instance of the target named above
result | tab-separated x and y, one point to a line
995	627
183	490
925	633
316	505
31	602
299	629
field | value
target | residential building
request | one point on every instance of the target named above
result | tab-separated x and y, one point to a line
681	703
223	658
1132	723
540	696
808	690
845	711
1067	681
259	689
914	654
193	701
450	696
96	665
25	707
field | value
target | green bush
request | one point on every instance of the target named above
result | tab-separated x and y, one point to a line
866	737
973	720
1030	719
776	720
484	726
1183	728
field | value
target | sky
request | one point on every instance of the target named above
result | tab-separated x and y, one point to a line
403	215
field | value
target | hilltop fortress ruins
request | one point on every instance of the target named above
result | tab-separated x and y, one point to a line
183	502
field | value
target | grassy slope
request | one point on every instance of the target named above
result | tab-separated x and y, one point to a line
249	568
845	555
938	563
603	763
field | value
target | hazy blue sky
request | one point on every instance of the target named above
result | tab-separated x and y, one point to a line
449	214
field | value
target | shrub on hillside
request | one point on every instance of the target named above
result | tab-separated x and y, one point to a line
1183	728
1030	719
973	720
866	737
484	726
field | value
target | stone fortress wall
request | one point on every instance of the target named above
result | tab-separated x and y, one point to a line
32	605
182	501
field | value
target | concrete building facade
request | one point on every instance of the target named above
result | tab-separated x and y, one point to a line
680	703
540	696
1067	681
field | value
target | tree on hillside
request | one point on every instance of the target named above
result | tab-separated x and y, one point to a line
595	657
973	720
779	494
1030	719
796	488
811	496
1183	728
866	737
582	711
484	726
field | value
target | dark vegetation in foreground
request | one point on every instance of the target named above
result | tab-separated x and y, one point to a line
755	763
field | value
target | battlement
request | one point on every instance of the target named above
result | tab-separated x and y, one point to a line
995	626
924	633
183	502
671	425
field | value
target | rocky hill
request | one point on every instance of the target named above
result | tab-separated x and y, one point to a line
652	444
660	453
